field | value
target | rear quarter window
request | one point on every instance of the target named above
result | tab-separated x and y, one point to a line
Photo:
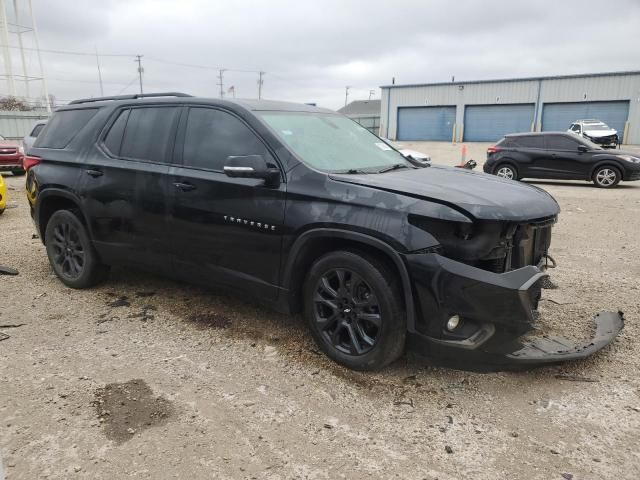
63	127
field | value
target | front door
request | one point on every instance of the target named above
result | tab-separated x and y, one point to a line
563	159
226	231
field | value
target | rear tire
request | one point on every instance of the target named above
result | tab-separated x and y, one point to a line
606	177
71	253
506	170
354	309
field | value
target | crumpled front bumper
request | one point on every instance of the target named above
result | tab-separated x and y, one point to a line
496	312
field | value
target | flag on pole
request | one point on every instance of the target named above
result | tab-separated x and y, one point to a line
232	90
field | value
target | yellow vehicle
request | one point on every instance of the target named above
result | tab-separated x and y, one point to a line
3	195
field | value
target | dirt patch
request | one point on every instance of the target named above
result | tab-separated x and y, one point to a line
209	320
122	301
127	408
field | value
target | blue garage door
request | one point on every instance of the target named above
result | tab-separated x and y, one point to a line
560	116
426	123
489	123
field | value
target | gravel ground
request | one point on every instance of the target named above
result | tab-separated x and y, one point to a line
144	377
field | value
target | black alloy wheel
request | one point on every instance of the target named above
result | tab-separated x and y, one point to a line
354	309
70	251
347	311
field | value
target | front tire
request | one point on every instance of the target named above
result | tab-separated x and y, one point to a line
71	253
506	170
354	309
606	177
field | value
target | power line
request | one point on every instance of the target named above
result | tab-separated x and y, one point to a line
69	52
204	67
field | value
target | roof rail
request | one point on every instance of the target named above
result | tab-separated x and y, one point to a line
129	97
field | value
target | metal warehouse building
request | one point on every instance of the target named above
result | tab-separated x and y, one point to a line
483	111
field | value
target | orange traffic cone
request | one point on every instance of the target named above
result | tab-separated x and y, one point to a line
463	155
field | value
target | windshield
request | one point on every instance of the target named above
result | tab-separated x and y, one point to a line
596	126
333	143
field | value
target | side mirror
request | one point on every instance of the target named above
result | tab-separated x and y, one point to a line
583	148
252	166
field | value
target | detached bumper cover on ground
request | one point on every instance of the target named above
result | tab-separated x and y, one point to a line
496	312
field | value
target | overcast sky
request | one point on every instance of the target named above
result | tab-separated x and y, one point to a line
312	49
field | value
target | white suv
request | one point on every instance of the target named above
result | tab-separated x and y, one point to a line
596	131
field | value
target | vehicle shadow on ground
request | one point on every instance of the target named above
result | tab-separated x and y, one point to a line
149	298
577	183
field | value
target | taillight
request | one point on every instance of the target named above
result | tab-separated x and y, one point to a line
29	161
493	149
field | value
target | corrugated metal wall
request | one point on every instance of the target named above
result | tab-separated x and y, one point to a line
624	86
15	125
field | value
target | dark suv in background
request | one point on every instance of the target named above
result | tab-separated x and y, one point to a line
561	156
304	210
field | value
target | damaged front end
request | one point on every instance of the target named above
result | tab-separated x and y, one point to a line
477	296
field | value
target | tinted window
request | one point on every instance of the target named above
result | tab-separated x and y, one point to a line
36	130
63	126
559	142
147	135
113	140
531	142
214	135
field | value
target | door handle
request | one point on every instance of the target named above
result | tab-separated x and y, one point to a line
185	187
94	173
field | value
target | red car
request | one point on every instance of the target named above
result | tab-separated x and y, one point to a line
11	155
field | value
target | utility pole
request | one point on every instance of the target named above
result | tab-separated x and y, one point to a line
260	82
19	32
35	38
221	81
99	73
346	94
140	71
8	67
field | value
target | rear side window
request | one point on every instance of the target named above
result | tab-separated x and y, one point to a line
531	142
213	135
36	130
113	140
560	142
63	127
147	135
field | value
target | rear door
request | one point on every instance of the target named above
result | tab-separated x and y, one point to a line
528	151
225	231
125	183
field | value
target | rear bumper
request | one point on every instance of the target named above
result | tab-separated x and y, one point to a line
496	313
10	162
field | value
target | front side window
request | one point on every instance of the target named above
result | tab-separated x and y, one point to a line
332	143
147	135
213	135
575	128
559	142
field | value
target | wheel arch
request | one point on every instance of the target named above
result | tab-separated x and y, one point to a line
606	163
506	161
52	200
314	243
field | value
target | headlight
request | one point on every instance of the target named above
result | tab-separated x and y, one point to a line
21	149
629	158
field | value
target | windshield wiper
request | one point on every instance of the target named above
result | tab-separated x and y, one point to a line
395	166
351	171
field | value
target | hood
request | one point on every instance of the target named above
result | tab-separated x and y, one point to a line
480	195
599	133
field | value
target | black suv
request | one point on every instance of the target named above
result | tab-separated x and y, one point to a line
302	209
561	156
